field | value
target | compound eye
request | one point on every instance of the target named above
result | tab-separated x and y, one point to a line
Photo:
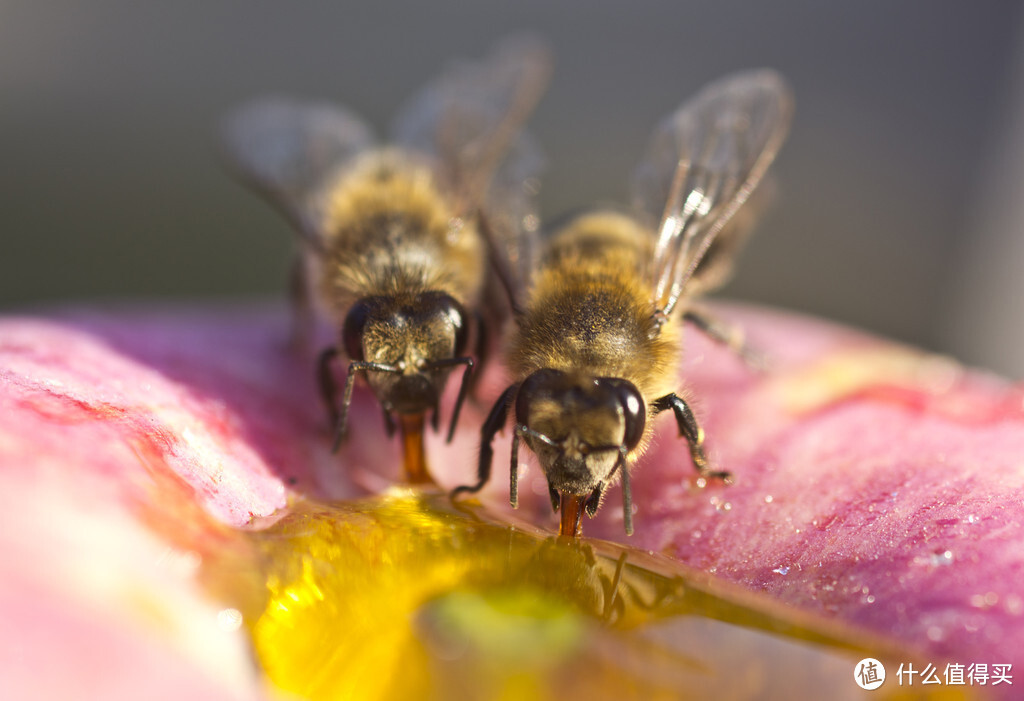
459	321
635	417
542	384
634	412
352	331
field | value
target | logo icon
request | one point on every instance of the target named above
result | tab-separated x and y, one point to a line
869	673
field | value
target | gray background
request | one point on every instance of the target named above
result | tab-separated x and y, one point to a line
898	192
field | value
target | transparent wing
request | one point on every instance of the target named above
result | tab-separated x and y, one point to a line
510	219
470	121
702	164
715	267
471	116
288	150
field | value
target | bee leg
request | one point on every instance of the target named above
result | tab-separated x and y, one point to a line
693	434
727	334
389	423
328	387
302	307
435	422
495	420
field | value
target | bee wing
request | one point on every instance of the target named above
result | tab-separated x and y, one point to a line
470	118
288	150
715	267
510	220
702	164
470	121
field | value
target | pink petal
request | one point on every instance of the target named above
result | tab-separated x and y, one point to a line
875	484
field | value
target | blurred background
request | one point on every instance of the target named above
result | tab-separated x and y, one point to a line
900	202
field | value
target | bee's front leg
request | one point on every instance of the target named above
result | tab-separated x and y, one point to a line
495	420
693	434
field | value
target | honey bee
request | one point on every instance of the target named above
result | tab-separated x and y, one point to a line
597	341
391	248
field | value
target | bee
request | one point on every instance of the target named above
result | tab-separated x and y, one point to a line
390	243
598	335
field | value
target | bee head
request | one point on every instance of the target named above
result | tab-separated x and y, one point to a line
580	427
412	341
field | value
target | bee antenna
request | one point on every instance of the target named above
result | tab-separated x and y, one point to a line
463	389
350	380
536	435
513	487
627	496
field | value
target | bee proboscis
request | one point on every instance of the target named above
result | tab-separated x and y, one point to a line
598	338
390	242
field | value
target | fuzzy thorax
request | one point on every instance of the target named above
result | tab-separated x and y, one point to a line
393	229
591	310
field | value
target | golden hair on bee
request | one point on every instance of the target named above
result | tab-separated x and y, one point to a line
588	306
594	356
393	231
391	248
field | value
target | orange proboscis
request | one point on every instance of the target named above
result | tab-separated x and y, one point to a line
415	456
571	523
